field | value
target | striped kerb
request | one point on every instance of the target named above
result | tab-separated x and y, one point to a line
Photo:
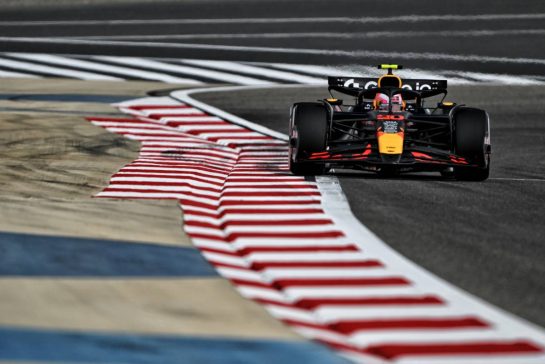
267	232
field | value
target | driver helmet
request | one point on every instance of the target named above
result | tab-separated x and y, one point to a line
397	103
381	102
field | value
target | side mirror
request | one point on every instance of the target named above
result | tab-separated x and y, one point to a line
334	102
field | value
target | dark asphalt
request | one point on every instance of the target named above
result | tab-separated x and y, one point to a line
514	48
485	237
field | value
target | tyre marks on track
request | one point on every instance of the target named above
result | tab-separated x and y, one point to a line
277	238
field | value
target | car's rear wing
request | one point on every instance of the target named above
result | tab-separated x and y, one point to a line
354	85
361	83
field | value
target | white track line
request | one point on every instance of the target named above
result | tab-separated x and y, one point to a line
17	74
363	71
259	71
431	336
413	18
215	75
334	35
63	72
518	179
476	359
311	51
502	79
359	71
71	62
186	95
280	71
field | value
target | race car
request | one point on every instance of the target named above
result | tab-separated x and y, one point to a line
391	127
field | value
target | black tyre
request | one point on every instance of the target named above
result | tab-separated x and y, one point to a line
470	135
310	127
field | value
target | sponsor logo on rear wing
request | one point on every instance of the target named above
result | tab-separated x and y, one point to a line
367	83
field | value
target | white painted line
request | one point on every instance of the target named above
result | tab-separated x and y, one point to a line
500	79
182	176
226	127
363	71
229	229
278	273
8	74
259	71
100	67
228	134
310	51
223	258
298	293
190	119
288	313
185	96
519	179
410	18
63	72
186	170
203	243
359	71
322	35
171	112
377	337
286	243
499	358
144	188
112	124
157	131
246	274
195	71
254	217
331	314
263	293
148	102
154	195
308	257
258	183
163	180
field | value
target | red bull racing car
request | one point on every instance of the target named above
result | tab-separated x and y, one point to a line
390	128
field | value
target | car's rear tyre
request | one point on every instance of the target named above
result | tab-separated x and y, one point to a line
470	134
310	124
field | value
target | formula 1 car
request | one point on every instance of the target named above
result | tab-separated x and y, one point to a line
389	129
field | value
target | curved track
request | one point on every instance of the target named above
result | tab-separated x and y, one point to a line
484	237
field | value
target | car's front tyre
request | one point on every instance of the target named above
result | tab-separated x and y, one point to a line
308	134
471	134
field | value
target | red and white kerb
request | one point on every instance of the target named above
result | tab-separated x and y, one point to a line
267	232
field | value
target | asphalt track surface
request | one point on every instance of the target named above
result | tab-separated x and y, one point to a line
485	237
457	37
